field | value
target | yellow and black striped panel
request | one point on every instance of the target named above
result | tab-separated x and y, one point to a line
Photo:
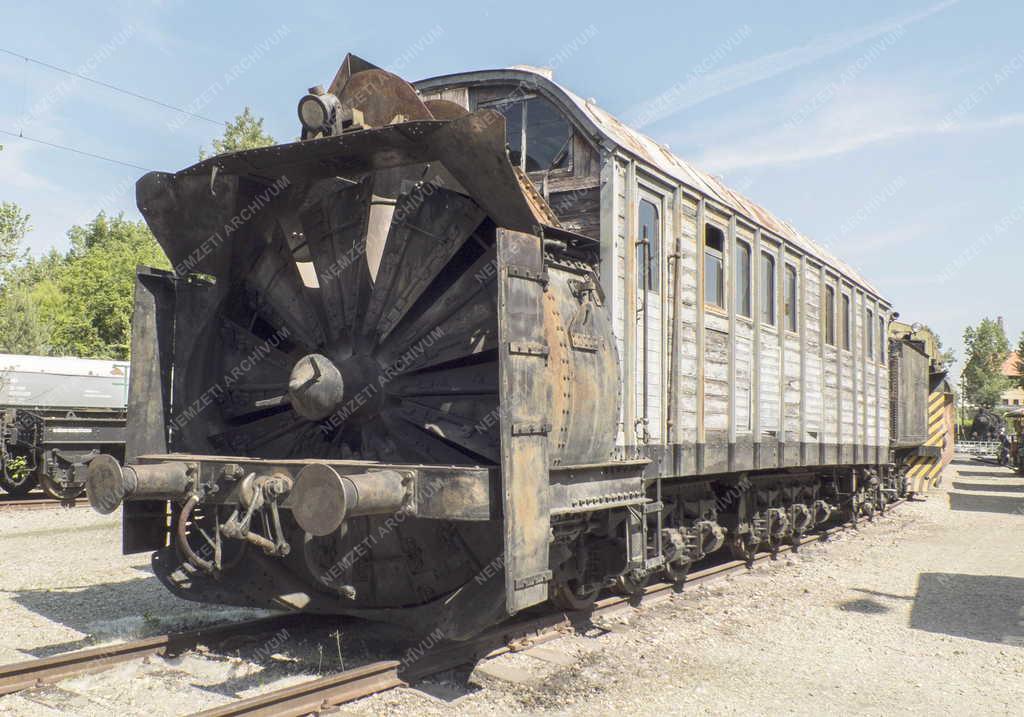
925	470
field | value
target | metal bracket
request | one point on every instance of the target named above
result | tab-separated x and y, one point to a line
524	272
531	429
527	348
532	580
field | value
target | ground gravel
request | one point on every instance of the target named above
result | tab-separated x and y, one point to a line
921	612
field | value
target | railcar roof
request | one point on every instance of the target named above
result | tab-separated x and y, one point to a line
641	146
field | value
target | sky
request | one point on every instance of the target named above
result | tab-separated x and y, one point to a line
892	132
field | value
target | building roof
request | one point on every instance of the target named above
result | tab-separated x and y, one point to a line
1011	366
599	121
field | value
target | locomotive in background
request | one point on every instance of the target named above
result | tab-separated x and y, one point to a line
472	345
56	414
924	408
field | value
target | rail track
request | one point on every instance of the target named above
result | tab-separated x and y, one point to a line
38	501
20	676
317	695
324	693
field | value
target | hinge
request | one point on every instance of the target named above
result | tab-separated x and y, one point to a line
525	272
531	429
527	348
529	582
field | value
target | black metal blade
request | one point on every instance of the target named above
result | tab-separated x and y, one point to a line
279	295
427	230
473	291
473	380
470	424
335	227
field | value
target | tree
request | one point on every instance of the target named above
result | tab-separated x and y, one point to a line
14	226
246	132
1020	360
79	303
987	348
98	286
22	328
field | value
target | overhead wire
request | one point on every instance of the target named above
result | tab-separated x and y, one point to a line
109	86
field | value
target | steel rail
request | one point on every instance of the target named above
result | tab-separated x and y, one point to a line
324	693
23	675
38	503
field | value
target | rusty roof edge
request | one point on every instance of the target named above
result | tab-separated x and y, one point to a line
600	122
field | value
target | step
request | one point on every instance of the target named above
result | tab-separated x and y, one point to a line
987	501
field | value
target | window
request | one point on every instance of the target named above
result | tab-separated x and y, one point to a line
742	279
869	334
882	344
830	315
648	249
847	323
714	266
547	134
791	298
767	288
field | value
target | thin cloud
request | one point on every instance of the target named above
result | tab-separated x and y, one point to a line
789	147
765	67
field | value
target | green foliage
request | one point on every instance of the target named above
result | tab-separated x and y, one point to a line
987	348
79	303
23	329
1020	360
246	132
14	225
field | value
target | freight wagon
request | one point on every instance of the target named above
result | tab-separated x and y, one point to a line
56	414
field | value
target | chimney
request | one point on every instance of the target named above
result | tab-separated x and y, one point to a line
1002	326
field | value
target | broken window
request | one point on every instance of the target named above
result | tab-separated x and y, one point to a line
545	132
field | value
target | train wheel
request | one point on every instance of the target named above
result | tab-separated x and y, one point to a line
677	570
744	547
54	489
631	584
16	478
573	595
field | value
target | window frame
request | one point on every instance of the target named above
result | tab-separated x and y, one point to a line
795	298
847	320
828	316
654	271
869	333
743	248
523	100
769	296
719	255
883	340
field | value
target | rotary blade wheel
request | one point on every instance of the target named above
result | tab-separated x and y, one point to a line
396	365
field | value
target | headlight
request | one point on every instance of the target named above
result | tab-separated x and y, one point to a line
314	113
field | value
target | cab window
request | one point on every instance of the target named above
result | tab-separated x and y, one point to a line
534	123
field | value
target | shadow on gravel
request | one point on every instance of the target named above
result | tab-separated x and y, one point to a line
865	605
979	607
998	487
995	474
996	503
